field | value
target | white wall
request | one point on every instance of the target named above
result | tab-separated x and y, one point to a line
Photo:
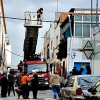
51	39
95	62
57	33
73	45
2	35
8	55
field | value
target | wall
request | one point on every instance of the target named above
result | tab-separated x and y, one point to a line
3	32
95	61
8	55
52	28
72	47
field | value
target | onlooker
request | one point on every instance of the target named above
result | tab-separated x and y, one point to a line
35	84
74	71
4	85
60	70
11	81
25	88
20	65
19	77
55	82
88	69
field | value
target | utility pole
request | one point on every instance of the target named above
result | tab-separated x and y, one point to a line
91	60
97	13
57	5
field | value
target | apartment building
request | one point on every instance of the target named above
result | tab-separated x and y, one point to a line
77	29
3	32
51	42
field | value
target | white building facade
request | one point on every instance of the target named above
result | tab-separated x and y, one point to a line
77	30
3	46
96	46
8	53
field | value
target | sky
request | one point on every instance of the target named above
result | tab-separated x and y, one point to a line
15	28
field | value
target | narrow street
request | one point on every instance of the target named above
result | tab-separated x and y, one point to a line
42	95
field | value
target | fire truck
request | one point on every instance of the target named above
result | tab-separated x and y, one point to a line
33	21
41	67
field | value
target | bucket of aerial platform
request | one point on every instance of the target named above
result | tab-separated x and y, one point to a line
34	19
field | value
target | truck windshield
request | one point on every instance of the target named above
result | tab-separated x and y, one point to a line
37	67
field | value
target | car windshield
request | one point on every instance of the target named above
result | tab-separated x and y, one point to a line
88	80
37	67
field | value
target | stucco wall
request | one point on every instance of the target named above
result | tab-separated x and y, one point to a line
95	62
8	57
76	43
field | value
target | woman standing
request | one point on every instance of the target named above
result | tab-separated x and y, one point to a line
35	84
55	82
4	85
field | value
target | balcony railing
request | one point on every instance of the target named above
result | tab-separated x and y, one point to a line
32	20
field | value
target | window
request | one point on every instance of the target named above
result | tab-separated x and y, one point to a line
94	25
89	80
86	17
44	52
86	30
51	45
78	17
57	41
82	26
94	18
37	67
47	51
78	29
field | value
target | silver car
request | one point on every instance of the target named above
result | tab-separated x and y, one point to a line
77	86
93	93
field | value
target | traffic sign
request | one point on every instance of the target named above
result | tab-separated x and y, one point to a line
88	50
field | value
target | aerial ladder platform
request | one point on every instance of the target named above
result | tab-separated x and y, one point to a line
33	21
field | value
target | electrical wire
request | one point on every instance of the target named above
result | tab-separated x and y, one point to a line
22	19
47	20
14	53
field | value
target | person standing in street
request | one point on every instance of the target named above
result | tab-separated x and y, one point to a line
35	84
25	88
4	85
19	77
55	82
11	81
60	70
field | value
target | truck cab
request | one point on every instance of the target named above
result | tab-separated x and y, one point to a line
42	72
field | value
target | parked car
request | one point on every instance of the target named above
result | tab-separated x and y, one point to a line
93	92
77	86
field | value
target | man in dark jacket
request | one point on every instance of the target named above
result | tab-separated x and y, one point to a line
4	85
35	84
11	81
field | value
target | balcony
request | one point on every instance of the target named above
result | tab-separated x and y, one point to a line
31	20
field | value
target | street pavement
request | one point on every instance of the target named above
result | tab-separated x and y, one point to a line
42	95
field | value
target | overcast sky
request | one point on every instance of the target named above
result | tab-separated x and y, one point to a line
15	28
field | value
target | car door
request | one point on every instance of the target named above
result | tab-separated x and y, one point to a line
69	90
